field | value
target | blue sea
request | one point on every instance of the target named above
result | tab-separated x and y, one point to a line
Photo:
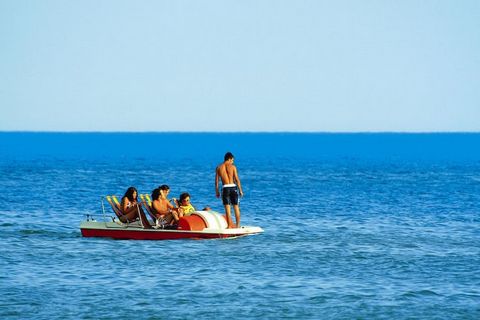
357	226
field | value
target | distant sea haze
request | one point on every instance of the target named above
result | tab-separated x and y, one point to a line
326	146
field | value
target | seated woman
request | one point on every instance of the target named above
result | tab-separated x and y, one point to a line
186	206
131	209
162	208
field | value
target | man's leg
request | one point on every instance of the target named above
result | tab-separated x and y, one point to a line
227	214
236	208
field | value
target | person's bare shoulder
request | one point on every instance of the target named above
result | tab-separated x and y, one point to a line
221	167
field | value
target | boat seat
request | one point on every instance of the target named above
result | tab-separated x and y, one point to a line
147	204
146	198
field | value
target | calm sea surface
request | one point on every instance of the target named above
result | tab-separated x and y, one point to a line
357	226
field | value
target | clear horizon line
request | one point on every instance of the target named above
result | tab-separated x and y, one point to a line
246	131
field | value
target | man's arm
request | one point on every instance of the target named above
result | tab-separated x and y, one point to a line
217	193
237	180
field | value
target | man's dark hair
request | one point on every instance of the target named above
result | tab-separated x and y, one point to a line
164	187
155	193
228	156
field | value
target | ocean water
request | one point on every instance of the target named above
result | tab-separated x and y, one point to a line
357	226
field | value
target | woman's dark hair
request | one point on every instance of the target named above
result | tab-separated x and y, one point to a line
129	194
183	196
155	193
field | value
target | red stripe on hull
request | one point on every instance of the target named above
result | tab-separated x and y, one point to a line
153	234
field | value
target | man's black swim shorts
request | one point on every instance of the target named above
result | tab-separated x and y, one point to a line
230	195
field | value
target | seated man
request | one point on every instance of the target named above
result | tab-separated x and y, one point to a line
162	208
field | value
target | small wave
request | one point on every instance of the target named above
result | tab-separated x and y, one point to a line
6	224
477	179
419	293
56	234
29	231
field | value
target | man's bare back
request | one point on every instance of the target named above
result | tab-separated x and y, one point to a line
227	172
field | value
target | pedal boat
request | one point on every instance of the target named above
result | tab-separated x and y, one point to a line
198	225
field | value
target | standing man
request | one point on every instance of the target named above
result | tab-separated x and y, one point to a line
231	186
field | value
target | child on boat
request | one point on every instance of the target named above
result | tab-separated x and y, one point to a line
185	204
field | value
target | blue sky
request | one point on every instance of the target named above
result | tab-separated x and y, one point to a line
240	65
